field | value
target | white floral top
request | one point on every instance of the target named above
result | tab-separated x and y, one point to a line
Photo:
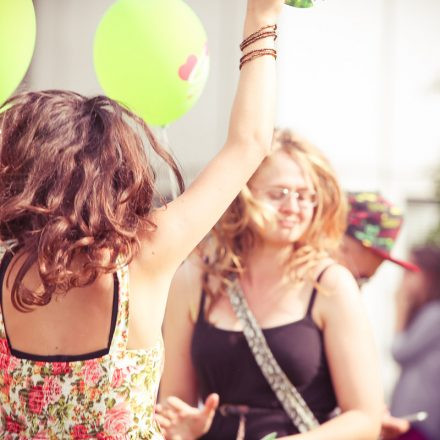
110	397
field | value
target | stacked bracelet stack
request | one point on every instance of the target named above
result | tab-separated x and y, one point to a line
265	32
255	54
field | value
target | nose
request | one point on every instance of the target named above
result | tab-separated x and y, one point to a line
290	204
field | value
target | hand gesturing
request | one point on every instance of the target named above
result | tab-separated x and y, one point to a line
180	421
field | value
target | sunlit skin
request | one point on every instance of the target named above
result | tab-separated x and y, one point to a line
290	220
286	223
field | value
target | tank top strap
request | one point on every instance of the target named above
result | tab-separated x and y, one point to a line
5	259
201	315
2	327
315	291
202	303
120	335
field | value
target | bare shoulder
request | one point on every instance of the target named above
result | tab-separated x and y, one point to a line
338	280
340	293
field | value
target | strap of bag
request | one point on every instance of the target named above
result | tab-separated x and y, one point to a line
291	400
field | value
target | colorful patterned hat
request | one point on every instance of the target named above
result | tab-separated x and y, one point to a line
375	222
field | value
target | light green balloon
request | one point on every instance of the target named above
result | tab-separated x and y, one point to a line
17	42
152	56
300	3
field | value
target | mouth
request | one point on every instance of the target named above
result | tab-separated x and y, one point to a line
287	223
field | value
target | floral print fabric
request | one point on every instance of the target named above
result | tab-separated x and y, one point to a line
108	398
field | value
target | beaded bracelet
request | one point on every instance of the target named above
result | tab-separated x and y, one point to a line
271	28
255	54
244	45
264	32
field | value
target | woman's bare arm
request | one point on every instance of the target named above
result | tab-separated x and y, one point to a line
184	222
352	361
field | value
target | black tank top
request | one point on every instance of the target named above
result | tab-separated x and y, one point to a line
225	365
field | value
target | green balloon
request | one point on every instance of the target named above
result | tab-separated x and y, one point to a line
152	56
17	42
300	3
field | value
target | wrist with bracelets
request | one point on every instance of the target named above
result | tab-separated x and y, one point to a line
268	31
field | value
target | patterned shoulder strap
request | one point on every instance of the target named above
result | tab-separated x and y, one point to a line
120	335
291	400
2	326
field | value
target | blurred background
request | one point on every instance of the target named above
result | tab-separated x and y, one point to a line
359	78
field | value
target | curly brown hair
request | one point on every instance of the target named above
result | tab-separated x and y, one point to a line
225	250
75	178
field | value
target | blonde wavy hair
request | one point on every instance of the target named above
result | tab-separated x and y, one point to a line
224	251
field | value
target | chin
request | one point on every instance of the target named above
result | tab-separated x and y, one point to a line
281	236
292	235
284	239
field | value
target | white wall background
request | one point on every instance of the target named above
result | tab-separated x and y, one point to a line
360	78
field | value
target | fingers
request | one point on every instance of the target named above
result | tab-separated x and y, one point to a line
167	414
180	421
401	425
177	404
163	421
393	427
211	403
174	408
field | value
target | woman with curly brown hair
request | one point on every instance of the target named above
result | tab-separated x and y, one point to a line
89	259
273	245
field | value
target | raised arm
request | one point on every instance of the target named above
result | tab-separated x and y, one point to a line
184	222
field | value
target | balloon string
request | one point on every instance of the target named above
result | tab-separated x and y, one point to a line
173	188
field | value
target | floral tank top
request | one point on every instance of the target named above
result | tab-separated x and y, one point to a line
111	397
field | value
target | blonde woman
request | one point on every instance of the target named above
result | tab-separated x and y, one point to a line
276	237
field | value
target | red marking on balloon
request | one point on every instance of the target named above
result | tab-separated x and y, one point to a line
186	69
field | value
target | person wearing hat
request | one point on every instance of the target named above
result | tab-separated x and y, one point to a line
373	225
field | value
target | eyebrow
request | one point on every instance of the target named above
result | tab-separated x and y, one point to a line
281	186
